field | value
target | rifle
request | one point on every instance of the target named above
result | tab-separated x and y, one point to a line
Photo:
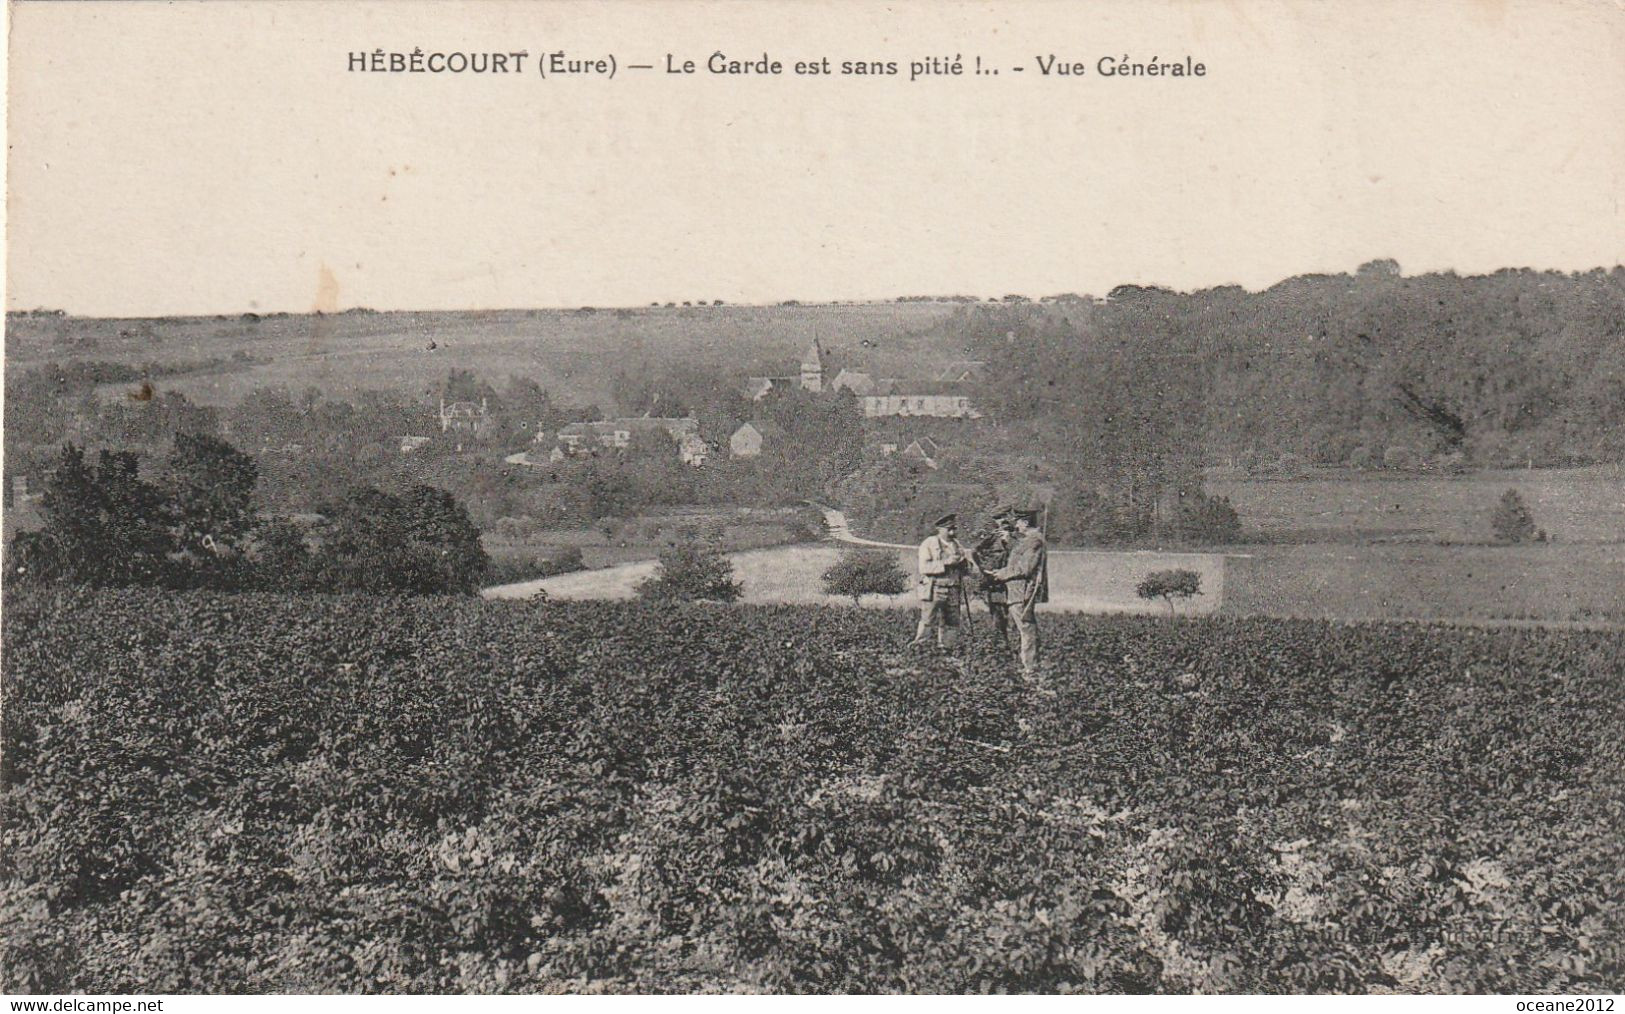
1040	582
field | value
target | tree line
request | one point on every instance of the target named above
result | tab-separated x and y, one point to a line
1513	368
1126	400
197	523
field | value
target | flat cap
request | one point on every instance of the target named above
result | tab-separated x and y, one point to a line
946	520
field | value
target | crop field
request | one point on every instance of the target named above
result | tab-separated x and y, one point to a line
268	793
790	575
563	350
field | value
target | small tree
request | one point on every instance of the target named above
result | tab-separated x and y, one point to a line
1169	585
1512	521
862	573
692	571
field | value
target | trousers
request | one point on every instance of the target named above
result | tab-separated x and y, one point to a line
1000	611
1026	621
943	613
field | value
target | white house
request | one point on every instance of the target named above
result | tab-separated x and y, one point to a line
748	440
582	439
939	399
464	416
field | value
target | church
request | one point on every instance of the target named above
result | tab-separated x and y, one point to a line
945	398
809	378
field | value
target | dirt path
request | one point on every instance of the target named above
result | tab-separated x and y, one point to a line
1079	582
841	531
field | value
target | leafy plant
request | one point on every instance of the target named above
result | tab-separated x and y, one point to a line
265	793
859	573
1169	585
689	572
1512	521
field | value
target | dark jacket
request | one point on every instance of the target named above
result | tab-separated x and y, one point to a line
1026	576
992	553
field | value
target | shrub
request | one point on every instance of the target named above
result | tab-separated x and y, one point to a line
1454	463
1290	466
800	530
510	570
1399	457
1169	585
692	571
1204	518
511	528
1512	521
861	573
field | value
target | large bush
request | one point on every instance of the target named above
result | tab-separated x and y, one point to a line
865	572
691	572
1208	519
420	540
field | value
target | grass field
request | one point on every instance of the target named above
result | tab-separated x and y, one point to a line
1560	582
1079	582
1557	583
1572	504
564	351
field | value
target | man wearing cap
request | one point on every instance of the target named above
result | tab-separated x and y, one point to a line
944	566
1026	582
991	553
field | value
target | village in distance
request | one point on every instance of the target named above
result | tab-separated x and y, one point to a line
1334	447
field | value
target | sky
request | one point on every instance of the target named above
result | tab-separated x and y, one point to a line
217	158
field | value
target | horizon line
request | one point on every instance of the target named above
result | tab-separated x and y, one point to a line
959	298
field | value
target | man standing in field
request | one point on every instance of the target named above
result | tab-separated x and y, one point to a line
1026	582
991	553
944	565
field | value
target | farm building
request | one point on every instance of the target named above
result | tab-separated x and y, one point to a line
947	397
747	441
583	439
463	416
860	384
962	371
922	451
941	399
